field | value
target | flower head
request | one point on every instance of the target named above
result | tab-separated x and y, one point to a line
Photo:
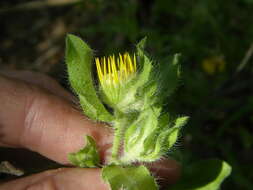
114	72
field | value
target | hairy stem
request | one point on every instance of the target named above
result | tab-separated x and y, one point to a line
120	126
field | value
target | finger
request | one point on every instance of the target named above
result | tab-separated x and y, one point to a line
37	120
67	178
40	80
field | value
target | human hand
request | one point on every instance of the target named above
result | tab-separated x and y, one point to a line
38	114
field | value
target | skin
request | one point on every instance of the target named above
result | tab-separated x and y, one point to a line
38	114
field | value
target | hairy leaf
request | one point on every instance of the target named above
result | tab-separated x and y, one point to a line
168	78
86	157
140	137
148	138
129	178
79	58
173	131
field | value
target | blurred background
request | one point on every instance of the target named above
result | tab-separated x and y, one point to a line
214	37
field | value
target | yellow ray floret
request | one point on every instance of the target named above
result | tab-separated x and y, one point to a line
114	70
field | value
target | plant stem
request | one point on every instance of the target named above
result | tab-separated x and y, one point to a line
118	136
120	125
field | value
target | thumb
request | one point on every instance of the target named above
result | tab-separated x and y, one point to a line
64	178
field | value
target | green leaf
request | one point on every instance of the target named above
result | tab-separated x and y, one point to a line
145	64
150	137
162	139
203	175
168	79
86	157
140	137
173	131
130	178
79	58
168	135
141	45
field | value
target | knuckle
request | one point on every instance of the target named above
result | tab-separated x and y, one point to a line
33	118
30	118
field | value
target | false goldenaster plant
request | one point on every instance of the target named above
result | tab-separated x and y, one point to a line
129	98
